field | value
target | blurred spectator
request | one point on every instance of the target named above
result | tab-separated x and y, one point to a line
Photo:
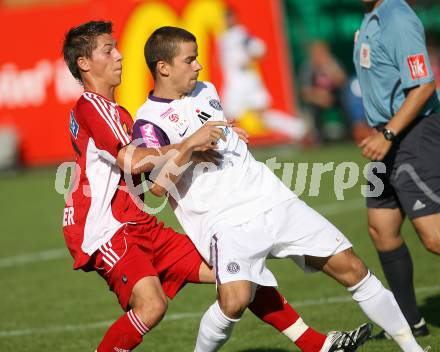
244	95
322	79
434	58
352	104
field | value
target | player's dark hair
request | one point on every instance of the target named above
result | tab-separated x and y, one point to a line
163	45
80	41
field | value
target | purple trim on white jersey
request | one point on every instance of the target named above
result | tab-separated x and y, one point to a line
217	278
159	100
156	137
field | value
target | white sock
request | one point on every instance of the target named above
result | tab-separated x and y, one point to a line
296	330
215	329
381	307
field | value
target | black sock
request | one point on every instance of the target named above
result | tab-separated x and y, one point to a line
398	269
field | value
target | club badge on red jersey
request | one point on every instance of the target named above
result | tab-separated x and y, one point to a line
417	66
73	125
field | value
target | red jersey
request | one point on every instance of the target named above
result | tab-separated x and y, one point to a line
99	204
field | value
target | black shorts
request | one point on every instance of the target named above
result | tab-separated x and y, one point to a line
412	178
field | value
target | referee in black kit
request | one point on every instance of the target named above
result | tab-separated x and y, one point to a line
400	101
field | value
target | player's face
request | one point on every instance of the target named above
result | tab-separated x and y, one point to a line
185	68
106	61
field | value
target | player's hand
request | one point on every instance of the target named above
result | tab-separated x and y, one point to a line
206	137
242	134
209	156
375	147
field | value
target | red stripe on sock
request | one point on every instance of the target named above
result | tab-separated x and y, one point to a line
121	335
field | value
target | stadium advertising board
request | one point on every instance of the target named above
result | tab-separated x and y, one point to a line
37	91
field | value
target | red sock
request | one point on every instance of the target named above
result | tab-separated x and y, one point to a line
271	307
125	334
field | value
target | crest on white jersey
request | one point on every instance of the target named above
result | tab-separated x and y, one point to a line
216	104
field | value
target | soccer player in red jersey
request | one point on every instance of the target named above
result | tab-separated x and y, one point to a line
106	230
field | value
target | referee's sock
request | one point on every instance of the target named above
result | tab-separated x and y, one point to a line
381	307
272	308
397	266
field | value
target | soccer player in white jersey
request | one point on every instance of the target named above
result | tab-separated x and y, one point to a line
238	212
107	232
104	229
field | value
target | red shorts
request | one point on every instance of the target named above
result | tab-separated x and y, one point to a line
141	250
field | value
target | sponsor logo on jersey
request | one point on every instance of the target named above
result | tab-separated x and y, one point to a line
417	66
215	104
203	116
233	268
73	125
183	133
174	118
149	136
166	113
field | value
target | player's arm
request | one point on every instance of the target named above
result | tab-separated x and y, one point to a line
135	160
203	140
139	159
115	145
411	57
376	146
242	134
164	162
411	107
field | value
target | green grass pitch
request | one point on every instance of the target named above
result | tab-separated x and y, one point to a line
46	306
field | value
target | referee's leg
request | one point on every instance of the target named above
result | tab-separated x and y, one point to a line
428	229
384	227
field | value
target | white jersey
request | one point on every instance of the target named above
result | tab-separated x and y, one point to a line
209	197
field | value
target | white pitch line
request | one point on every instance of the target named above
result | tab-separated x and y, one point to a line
97	325
179	316
347	298
51	254
328	209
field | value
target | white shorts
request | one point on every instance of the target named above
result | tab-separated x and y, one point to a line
289	230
